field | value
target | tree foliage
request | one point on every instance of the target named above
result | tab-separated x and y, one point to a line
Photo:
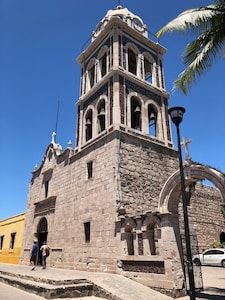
207	24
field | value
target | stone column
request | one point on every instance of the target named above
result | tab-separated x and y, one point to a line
171	249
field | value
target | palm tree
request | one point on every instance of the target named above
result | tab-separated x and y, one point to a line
208	24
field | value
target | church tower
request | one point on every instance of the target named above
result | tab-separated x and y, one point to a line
122	82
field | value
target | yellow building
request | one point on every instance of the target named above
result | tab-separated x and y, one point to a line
11	235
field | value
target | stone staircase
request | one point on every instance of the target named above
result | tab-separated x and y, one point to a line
52	289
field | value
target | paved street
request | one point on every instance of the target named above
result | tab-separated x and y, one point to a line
213	281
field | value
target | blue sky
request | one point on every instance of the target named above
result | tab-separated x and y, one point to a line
39	43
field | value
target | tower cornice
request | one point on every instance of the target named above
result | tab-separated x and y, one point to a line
127	76
116	23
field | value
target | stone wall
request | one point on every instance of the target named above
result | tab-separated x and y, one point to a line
78	200
144	169
205	218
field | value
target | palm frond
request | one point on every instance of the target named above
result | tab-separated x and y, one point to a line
189	19
197	63
209	24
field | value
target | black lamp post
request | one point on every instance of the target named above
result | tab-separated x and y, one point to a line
176	114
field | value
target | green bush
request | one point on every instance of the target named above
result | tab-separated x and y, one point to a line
217	244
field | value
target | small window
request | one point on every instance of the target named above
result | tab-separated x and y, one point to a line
12	240
90	169
87	231
46	188
46	181
1	241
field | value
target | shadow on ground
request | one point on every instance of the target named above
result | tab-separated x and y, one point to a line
212	293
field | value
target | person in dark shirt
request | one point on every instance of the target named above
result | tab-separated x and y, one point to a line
33	254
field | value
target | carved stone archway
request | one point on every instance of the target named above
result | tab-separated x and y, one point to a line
168	208
171	191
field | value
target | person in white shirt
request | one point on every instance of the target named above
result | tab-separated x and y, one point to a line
45	253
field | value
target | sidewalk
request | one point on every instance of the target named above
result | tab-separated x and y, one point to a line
122	288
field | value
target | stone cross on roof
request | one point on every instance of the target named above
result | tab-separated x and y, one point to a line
185	144
53	138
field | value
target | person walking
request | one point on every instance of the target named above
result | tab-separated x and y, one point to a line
33	254
45	253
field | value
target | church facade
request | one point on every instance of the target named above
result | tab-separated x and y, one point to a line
113	203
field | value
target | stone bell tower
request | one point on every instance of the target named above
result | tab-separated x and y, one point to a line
123	99
122	82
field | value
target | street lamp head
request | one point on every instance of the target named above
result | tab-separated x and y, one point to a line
176	114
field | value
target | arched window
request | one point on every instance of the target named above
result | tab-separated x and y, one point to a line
135	113
101	116
147	69
103	63
152	121
89	125
152	236
132	61
152	228
91	74
129	239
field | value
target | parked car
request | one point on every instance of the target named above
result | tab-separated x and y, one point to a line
211	257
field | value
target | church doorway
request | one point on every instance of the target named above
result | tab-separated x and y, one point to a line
42	234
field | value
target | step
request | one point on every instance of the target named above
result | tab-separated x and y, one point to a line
53	289
49	290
